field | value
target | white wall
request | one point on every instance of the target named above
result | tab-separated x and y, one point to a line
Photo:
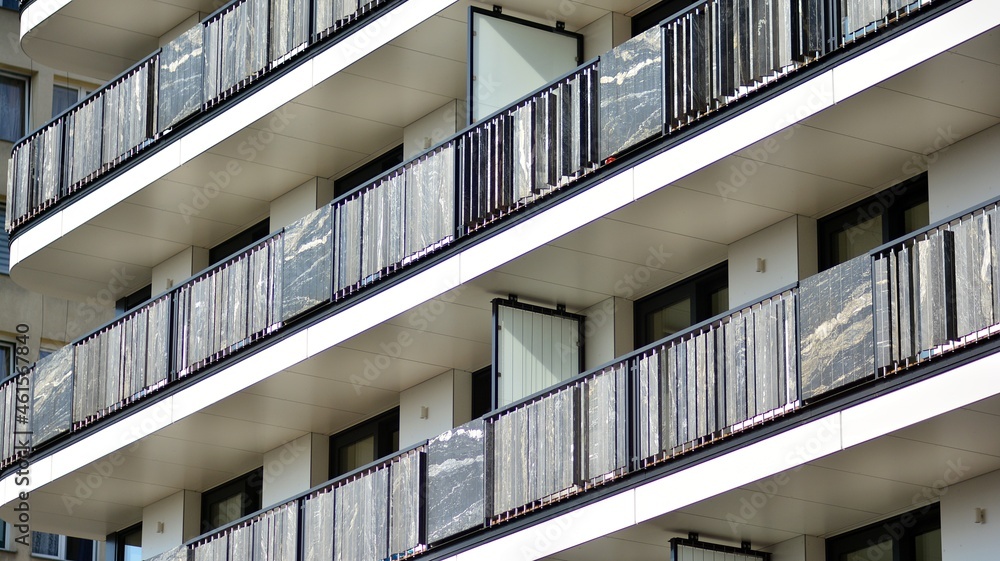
788	250
604	34
799	548
961	538
179	515
295	467
299	202
964	174
448	399
178	268
433	128
607	331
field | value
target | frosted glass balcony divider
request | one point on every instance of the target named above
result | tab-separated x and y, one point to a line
725	376
539	145
230	306
536	348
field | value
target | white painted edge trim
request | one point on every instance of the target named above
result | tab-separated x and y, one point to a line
353	48
36	14
540	229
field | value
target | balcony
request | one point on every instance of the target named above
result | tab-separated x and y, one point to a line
212	324
869	323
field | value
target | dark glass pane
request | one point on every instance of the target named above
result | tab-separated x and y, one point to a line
6	358
63	98
720	301
226	510
357	454
927	546
858	239
874	550
916	217
13	93
78	549
670	319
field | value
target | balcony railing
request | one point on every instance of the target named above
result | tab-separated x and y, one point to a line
200	69
536	147
729	374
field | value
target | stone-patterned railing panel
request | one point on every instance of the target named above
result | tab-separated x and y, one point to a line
15	417
724	49
121	362
181	83
232	305
631	93
456	481
836	327
235	48
725	376
861	17
52	396
539	145
535	452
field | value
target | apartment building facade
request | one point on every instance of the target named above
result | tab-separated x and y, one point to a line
536	280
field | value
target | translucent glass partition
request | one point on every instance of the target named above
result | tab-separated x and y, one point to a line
535	348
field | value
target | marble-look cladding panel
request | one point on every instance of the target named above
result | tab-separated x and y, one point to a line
289	26
215	550
974	274
430	201
331	12
933	273
52	396
605	415
404	503
630	92
361	521
181	81
456	481
317	538
836	327
348	243
179	553
307	266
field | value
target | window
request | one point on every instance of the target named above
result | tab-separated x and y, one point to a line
4	243
130	302
64	97
55	546
653	15
231	500
363	444
5	542
245	238
6	359
482	391
128	544
381	164
914	536
879	219
682	305
13	106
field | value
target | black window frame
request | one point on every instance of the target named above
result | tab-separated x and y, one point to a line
116	541
25	105
127	303
901	530
381	427
10	351
699	288
246	238
368	171
891	204
250	485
